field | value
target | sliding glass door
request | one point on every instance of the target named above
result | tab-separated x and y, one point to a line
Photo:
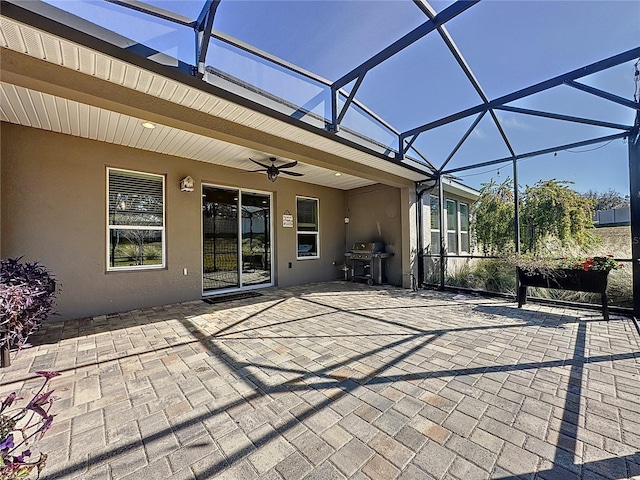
256	239
236	239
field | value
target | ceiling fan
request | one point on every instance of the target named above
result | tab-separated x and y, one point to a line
273	171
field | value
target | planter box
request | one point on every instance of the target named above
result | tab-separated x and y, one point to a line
591	281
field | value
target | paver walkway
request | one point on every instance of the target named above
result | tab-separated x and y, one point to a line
340	380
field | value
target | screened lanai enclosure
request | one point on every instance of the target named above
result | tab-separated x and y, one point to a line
503	110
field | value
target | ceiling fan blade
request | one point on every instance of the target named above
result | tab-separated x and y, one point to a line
253	171
293	174
261	164
288	165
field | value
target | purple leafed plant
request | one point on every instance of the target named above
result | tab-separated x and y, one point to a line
21	427
27	295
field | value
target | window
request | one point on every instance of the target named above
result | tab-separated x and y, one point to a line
452	227
464	228
434	204
456	225
307	227
135	220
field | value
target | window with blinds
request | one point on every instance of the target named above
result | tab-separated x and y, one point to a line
135	220
307	228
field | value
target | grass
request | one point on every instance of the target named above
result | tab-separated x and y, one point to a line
613	240
129	254
496	275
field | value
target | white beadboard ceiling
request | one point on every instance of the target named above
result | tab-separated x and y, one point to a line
40	110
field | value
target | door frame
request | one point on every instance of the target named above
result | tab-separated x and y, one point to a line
240	288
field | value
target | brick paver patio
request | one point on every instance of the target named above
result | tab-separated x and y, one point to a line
335	380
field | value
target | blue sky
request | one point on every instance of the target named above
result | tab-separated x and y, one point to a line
509	45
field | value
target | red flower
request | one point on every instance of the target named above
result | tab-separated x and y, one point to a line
588	263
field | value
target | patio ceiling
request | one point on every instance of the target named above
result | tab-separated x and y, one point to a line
32	108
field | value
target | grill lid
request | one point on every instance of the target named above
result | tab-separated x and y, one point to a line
368	247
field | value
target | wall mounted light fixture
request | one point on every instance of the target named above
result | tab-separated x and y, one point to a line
186	184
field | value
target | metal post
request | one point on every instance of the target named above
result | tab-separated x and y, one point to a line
420	223
634	188
333	127
443	246
516	207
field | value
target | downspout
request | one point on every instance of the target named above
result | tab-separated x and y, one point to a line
419	248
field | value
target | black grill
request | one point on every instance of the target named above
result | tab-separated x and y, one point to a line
366	261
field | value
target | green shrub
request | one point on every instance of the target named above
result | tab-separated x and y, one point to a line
491	274
152	252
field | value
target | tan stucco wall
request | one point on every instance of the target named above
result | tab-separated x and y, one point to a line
53	195
374	215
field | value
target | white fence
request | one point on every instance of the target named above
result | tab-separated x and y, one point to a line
613	216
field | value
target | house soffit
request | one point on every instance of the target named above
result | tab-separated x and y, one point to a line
321	156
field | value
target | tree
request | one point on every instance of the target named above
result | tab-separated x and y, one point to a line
493	217
551	208
607	200
547	209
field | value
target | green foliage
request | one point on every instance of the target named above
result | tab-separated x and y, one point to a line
604	264
128	254
493	217
551	208
607	200
498	275
153	252
491	274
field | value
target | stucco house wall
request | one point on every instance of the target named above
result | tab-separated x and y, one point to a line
53	185
54	210
374	216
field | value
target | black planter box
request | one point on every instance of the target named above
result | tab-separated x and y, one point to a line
592	281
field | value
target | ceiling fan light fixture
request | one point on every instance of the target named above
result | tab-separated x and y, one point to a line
274	171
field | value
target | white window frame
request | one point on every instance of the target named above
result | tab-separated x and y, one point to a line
308	232
434	230
460	231
456	226
136	227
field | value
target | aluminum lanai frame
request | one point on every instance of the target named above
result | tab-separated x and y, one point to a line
406	139
203	27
